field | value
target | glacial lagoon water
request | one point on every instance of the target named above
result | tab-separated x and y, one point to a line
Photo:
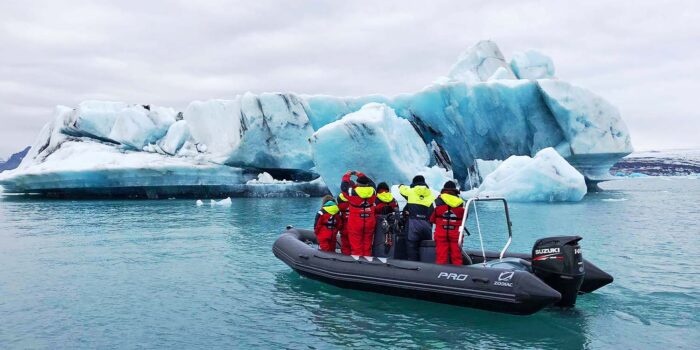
169	274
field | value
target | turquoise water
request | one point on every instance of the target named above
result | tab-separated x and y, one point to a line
168	274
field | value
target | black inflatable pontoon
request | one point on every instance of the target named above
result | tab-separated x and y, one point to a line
522	284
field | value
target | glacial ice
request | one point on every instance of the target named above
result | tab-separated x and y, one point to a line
133	128
486	108
265	178
96	118
532	64
175	138
216	124
86	168
199	203
377	142
479	63
546	177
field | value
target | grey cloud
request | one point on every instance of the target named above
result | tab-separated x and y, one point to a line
642	55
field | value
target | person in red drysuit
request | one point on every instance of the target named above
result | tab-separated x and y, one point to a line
361	220
327	224
344	207
385	203
447	217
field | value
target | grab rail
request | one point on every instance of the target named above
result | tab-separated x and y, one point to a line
476	213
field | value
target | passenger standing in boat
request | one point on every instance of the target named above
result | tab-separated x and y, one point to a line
344	207
387	210
418	208
361	217
447	217
327	224
385	203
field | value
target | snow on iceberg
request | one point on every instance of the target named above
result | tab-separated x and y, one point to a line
546	177
377	142
532	64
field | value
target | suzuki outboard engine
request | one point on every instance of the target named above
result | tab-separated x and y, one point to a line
558	262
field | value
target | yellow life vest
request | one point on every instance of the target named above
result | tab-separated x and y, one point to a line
385	197
331	209
364	192
451	200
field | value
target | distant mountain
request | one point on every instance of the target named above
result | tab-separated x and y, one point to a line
14	160
660	163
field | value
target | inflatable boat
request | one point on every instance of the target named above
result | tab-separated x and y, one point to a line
553	274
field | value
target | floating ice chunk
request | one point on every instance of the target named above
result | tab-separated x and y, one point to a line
591	124
614	199
223	203
134	128
282	188
265	178
479	63
199	203
175	138
532	64
547	177
373	140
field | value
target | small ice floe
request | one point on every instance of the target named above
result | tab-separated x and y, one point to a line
614	199
199	203
224	202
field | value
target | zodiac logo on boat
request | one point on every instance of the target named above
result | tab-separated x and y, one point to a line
506	276
504	279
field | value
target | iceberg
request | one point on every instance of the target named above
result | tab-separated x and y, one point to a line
486	108
377	142
546	177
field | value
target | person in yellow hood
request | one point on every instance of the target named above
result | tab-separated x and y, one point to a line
418	208
327	224
447	217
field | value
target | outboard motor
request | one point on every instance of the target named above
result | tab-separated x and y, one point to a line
558	262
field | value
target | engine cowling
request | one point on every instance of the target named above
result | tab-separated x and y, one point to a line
558	261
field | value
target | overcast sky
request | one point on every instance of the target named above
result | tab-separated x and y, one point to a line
643	56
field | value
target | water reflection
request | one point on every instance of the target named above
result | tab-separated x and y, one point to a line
351	318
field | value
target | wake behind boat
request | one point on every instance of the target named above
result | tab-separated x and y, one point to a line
553	274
